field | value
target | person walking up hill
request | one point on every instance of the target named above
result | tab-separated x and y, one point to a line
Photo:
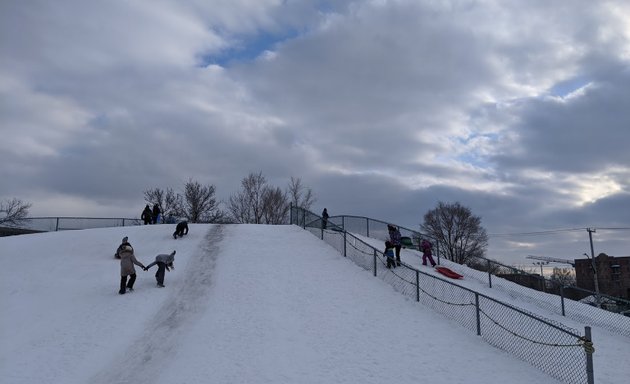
127	260
164	262
395	238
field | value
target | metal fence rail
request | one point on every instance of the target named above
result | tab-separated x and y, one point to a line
550	346
51	224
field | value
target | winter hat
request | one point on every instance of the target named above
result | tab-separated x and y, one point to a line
125	239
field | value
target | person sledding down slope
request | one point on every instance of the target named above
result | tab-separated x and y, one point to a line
164	262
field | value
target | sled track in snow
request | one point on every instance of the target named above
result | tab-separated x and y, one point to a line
147	356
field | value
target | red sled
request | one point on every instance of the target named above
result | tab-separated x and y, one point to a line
448	272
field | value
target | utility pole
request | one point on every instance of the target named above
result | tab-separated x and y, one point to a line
590	237
541	263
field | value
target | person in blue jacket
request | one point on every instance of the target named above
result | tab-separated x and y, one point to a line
164	262
395	238
389	253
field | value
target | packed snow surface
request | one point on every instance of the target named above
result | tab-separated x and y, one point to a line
244	304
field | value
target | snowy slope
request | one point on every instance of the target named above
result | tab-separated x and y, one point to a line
245	304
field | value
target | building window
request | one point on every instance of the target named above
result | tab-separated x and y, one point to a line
616	272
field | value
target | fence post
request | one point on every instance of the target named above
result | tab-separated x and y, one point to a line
375	262
417	285
343	222
57	225
478	314
367	227
489	274
345	252
562	299
589	356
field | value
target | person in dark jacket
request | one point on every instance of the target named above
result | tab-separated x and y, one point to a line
127	260
164	262
147	215
181	229
389	253
125	241
425	247
324	218
394	237
155	213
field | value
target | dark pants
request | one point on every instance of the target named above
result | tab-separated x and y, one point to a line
391	262
430	257
398	247
159	275
124	284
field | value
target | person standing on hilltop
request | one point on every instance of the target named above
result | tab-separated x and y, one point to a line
155	213
325	218
147	215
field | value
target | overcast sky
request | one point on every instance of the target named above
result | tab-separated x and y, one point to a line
518	110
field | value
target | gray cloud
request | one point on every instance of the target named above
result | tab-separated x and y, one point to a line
383	108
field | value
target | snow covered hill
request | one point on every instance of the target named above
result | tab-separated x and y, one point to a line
245	304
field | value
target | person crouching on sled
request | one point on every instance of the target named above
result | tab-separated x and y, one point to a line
164	262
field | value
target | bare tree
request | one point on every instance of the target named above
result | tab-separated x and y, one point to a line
275	206
562	277
246	206
458	231
299	195
13	212
199	203
485	265
170	203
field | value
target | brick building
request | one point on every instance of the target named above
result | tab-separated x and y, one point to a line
613	274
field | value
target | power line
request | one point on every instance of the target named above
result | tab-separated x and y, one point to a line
615	229
538	233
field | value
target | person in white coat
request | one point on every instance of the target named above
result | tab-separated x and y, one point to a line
127	260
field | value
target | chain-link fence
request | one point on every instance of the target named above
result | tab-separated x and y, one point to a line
51	224
550	346
568	301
